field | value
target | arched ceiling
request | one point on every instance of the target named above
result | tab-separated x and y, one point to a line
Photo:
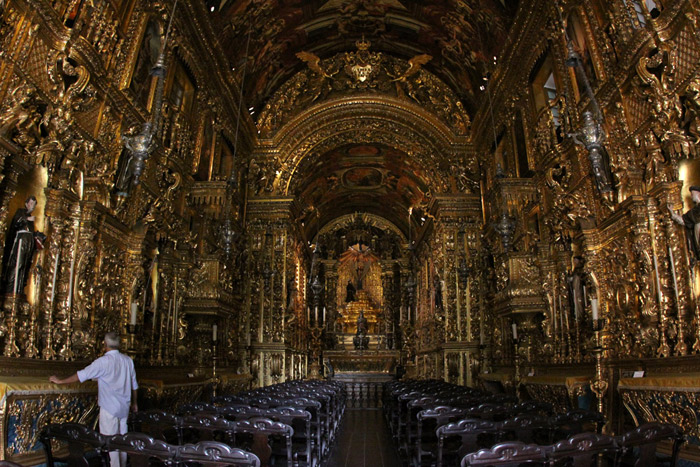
362	178
461	36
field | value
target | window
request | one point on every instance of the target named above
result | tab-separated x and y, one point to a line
576	32
639	10
524	168
550	89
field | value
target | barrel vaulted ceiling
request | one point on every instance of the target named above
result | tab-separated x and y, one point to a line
427	55
461	36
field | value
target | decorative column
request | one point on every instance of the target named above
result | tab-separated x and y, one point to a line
388	311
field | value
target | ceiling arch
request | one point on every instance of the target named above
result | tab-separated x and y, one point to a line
362	119
373	178
364	72
399	155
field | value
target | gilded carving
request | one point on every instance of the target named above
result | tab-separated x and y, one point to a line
363	71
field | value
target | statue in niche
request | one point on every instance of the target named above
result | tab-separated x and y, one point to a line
691	221
654	160
291	295
21	243
350	292
437	286
576	281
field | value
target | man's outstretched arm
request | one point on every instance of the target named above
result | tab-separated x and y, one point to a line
71	379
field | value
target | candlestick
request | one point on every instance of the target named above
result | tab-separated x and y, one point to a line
213	333
70	280
168	322
134	311
18	242
561	315
658	282
55	273
515	331
673	275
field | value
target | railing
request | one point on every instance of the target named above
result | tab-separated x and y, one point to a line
364	394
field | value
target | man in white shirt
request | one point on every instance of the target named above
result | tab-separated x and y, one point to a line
116	389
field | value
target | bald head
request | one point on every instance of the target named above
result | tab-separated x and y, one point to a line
112	340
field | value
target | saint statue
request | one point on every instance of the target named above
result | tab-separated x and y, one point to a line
349	292
437	286
361	324
361	340
691	221
577	289
20	244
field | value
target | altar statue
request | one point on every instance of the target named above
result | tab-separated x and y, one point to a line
361	324
20	244
349	292
361	341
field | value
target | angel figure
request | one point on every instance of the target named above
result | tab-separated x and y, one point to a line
319	85
402	80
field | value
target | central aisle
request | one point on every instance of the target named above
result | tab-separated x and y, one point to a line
364	441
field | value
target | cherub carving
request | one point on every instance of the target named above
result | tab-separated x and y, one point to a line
403	83
319	85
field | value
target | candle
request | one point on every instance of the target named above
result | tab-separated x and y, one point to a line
656	274
168	321
213	333
70	280
315	315
554	313
577	305
19	255
55	273
673	275
515	331
594	309
561	315
323	316
134	311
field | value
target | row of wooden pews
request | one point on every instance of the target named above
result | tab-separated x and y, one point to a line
439	424
292	424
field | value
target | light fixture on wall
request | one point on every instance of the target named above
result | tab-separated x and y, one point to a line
505	226
227	230
141	145
591	135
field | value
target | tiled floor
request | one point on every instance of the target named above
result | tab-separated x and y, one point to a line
364	441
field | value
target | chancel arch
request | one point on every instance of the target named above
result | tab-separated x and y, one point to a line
385	121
